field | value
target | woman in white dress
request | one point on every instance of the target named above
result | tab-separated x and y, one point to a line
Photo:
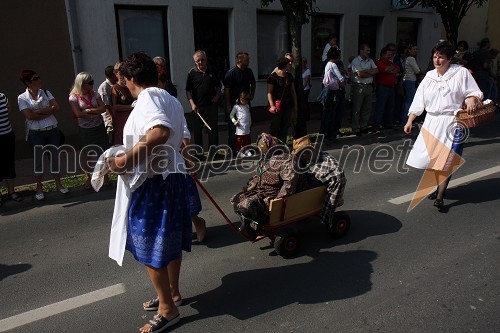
441	93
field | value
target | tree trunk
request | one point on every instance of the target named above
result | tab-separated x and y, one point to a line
300	128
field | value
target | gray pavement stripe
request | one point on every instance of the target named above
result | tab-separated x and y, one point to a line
453	183
60	307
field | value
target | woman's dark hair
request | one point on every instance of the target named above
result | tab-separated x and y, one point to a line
464	44
282	62
26	75
333	53
444	48
141	67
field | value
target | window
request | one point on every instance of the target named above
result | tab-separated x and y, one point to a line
272	41
407	31
321	27
142	29
368	34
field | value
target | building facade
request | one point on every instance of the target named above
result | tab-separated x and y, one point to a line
63	37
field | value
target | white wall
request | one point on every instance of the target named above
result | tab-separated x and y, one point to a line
98	35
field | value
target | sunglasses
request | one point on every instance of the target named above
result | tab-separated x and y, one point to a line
89	82
35	78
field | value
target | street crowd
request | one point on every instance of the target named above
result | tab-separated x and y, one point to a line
136	107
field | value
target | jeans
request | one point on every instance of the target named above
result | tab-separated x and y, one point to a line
331	116
42	143
384	108
410	89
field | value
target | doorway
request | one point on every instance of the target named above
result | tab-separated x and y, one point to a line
211	35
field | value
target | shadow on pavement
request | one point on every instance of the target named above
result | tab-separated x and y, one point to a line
8	270
73	198
329	276
313	234
475	192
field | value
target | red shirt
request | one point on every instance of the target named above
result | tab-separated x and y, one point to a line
383	78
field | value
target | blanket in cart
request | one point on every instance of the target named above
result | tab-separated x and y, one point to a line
328	171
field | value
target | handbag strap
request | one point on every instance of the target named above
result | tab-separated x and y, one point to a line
284	87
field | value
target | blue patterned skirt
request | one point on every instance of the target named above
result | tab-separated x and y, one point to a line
159	220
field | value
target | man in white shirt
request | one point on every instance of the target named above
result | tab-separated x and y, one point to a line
332	42
105	93
363	70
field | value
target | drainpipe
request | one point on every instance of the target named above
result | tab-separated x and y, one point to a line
74	35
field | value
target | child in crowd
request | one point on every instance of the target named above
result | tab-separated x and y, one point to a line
240	116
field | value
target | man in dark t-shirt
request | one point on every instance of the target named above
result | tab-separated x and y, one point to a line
203	93
238	79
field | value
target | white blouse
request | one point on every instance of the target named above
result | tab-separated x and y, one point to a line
25	101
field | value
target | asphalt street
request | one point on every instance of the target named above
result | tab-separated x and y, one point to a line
395	271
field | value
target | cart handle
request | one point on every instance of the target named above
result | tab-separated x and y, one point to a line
231	224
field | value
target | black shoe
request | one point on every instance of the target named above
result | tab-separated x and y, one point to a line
439	203
433	195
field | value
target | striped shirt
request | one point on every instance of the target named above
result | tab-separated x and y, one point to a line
5	127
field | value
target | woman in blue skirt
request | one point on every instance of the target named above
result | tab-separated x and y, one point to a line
151	217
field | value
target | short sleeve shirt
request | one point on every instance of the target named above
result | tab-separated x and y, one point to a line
5	126
358	64
237	81
105	92
87	102
26	101
203	86
282	88
157	107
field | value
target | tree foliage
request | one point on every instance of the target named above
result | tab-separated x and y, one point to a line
452	12
298	10
297	13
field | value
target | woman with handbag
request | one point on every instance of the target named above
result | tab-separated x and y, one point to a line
39	106
333	110
441	93
282	100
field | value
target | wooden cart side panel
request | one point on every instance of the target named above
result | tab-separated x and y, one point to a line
298	205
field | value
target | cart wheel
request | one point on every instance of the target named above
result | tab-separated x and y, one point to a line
339	224
287	245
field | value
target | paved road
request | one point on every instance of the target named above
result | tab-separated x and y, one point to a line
395	271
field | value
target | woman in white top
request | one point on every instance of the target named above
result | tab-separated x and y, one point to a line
331	116
441	93
158	222
410	79
39	106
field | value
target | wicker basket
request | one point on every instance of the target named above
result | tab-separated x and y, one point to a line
484	114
